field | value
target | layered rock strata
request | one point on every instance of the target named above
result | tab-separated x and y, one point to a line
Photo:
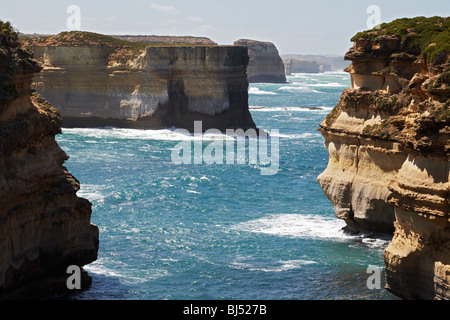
265	63
102	82
388	144
44	226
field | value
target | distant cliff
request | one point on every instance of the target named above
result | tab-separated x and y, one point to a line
44	226
98	80
320	63
303	66
265	63
388	145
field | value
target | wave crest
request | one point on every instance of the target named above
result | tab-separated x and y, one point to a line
255	90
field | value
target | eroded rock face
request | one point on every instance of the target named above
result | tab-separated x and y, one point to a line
155	87
388	142
44	226
265	63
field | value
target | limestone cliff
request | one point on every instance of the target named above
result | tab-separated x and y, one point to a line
388	143
97	80
265	62
44	226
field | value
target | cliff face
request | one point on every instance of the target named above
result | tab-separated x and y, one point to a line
265	62
388	142
44	226
100	83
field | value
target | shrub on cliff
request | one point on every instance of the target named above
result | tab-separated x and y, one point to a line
425	37
85	38
8	36
12	58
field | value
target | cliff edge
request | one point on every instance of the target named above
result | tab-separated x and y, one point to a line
44	226
388	145
97	80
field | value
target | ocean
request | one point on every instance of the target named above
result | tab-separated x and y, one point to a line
224	231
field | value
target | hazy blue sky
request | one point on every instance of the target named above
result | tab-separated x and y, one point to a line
314	26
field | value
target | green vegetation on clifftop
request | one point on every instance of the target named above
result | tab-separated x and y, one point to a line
8	36
12	58
85	38
426	37
124	50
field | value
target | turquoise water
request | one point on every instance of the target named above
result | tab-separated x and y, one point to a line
222	231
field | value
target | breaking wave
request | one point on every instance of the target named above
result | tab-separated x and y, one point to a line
255	90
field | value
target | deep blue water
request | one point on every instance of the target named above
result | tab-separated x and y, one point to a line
222	231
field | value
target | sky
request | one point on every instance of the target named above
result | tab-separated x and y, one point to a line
294	26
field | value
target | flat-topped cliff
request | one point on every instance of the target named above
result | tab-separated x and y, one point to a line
44	226
265	63
166	39
98	80
388	144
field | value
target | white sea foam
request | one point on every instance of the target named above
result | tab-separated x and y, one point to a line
279	266
255	90
304	135
137	134
297	226
297	89
307	226
277	109
158	135
327	84
124	273
301	75
370	241
192	191
91	192
322	74
98	268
